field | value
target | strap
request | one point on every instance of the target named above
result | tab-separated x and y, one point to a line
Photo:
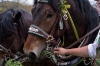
86	35
7	51
71	63
38	31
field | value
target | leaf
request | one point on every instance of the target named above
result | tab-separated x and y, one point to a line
10	62
64	6
54	58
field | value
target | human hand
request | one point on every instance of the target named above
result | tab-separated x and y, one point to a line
61	51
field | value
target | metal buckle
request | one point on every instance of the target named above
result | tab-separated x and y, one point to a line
65	17
49	39
63	63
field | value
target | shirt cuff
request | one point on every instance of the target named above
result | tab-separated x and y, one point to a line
92	50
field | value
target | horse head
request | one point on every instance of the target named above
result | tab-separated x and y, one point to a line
14	25
49	23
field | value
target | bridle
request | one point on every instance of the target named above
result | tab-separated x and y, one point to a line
39	32
49	37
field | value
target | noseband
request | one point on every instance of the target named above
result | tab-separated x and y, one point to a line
39	32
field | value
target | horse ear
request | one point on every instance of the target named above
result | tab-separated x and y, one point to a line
33	8
17	16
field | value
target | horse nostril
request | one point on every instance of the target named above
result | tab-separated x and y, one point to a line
32	56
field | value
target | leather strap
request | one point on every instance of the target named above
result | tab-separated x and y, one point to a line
86	35
7	51
38	31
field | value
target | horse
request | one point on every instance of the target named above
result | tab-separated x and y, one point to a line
52	28
14	24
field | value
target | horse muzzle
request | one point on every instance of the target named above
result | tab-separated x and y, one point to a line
32	56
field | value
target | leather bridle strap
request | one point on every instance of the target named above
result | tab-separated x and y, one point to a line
7	51
39	32
86	35
54	27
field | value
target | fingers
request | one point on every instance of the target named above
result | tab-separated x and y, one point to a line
56	50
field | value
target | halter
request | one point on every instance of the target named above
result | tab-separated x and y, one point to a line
39	32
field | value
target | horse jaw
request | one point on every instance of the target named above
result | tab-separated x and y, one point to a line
2	59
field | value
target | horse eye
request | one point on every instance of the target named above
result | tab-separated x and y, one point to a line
49	15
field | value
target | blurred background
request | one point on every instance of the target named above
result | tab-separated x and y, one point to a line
23	4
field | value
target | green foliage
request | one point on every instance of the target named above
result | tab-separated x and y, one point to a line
10	62
98	54
64	6
46	53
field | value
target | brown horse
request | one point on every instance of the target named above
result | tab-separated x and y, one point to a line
14	24
46	30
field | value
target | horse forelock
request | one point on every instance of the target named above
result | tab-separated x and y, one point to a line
55	4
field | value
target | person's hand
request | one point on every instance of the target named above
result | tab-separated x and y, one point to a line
61	51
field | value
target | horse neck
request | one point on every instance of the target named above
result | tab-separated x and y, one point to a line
79	22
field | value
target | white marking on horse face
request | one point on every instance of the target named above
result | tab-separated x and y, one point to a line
37	50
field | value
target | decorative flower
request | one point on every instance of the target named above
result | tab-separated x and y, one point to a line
64	6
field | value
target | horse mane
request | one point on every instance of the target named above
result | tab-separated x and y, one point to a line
7	24
85	8
91	15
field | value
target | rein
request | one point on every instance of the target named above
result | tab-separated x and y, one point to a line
76	42
7	51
